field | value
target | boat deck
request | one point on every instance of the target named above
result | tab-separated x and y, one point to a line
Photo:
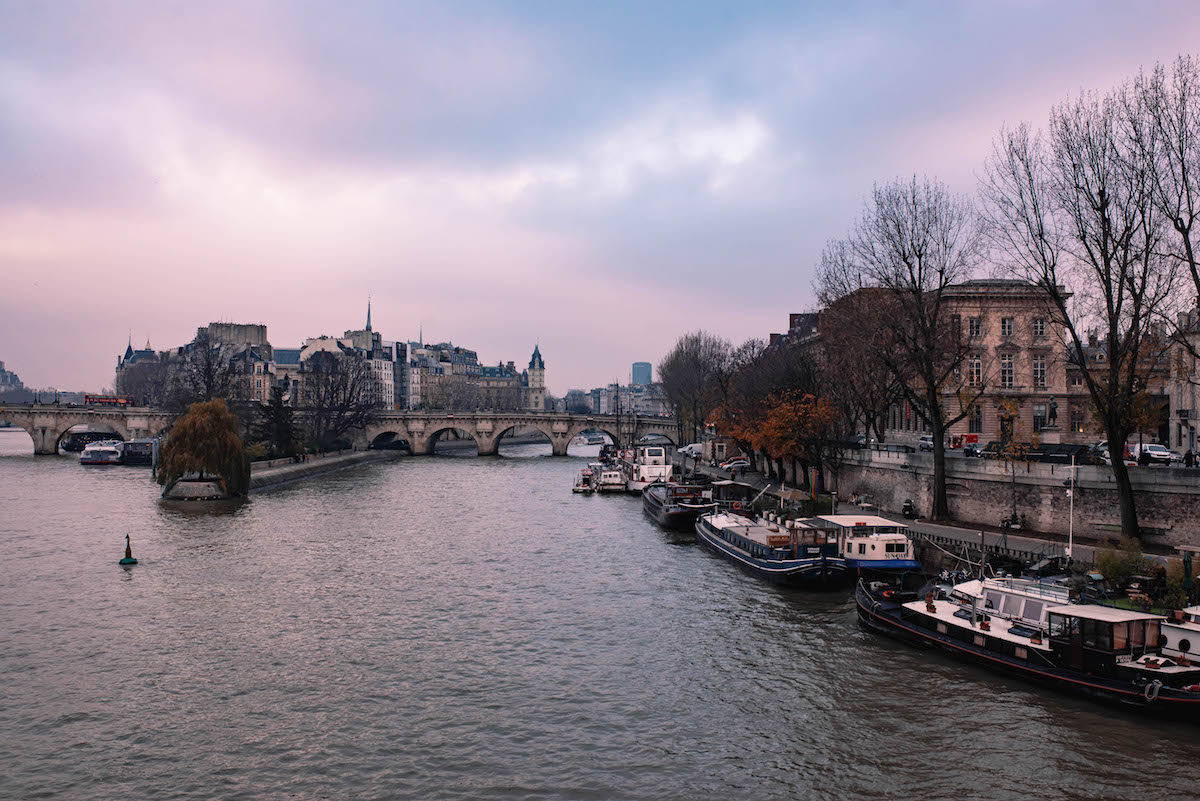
945	613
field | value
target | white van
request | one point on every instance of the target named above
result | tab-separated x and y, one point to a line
693	451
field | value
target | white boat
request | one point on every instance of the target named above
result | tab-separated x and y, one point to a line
871	543
645	465
586	483
106	452
610	480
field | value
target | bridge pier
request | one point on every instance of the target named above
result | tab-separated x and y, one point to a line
45	441
558	445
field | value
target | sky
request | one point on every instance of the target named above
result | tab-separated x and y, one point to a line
594	178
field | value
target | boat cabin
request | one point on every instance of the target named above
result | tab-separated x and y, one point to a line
1181	635
1099	639
867	537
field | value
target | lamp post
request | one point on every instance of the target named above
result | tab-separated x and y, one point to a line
1071	518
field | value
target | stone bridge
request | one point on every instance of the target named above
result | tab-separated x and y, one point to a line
46	424
422	429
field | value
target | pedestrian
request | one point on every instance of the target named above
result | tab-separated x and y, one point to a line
1189	459
733	474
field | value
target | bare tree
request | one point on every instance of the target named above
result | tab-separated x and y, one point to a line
914	241
1162	118
687	374
202	371
335	396
1077	208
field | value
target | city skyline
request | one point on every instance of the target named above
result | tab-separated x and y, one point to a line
493	176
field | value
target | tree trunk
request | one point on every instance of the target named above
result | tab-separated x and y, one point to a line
1116	454
941	503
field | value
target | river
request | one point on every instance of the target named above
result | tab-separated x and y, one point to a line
452	627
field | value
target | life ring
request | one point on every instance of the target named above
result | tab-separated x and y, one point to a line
737	505
888	593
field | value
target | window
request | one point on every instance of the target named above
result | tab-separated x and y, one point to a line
974	326
1006	371
1012	605
1020	652
1039	327
1185	645
1033	609
862	547
1077	381
975	371
975	420
1039	416
1006	327
1077	421
1039	372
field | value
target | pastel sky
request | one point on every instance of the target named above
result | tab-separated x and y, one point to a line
595	177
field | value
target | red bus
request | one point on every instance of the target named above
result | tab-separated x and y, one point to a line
108	400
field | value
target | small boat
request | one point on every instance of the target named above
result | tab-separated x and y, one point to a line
106	452
585	482
645	465
871	543
595	439
676	505
610	480
1098	651
792	553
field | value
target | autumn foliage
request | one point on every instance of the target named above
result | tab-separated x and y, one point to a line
205	441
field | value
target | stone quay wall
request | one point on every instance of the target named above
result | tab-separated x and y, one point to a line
981	492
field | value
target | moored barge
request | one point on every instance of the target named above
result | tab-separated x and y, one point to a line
794	554
1099	651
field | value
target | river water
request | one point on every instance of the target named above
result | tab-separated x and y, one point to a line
452	627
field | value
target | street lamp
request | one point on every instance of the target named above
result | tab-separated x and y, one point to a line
1071	517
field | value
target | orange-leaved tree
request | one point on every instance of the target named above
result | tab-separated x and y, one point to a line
797	425
205	440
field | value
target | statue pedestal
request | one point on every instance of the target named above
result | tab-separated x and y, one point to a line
1051	435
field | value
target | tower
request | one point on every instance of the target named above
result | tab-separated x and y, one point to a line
537	380
368	328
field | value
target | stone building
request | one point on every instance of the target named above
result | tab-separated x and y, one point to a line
9	381
1181	385
1015	368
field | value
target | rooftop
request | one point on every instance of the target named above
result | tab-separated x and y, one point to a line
1106	614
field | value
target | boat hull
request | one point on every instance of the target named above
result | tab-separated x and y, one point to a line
815	573
884	617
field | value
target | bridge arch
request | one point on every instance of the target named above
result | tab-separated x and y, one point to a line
427	442
588	428
11	432
388	439
542	428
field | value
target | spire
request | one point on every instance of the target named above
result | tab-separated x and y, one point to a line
147	343
368	312
129	347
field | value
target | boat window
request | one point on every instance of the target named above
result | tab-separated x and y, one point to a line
895	547
1062	626
1097	634
1033	609
992	599
862	547
1153	639
1137	633
1185	645
1012	605
1120	636
1020	653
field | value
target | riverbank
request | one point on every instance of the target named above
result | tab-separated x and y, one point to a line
265	475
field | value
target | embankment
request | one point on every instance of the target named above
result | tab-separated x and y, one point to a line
983	490
265	475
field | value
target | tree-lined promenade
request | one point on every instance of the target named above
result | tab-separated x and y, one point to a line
1097	212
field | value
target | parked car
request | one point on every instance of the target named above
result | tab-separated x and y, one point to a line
1154	453
972	449
925	443
736	464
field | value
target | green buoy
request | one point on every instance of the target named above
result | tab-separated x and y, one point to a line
128	560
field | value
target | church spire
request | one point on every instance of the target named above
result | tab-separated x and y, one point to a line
368	312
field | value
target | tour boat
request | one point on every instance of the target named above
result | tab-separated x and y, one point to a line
645	465
793	553
871	543
106	452
676	505
1016	628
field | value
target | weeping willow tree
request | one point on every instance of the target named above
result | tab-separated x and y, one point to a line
205	441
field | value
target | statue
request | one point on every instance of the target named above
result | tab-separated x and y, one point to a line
1053	411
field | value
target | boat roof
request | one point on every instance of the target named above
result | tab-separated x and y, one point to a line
1106	614
1192	610
854	521
727	483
